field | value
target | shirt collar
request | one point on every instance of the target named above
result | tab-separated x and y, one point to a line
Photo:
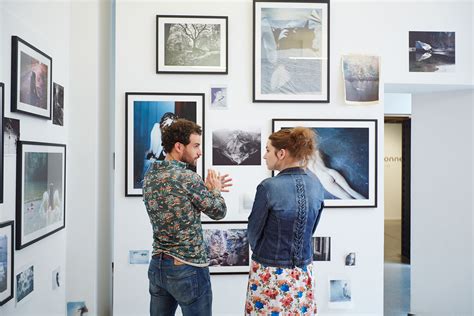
173	163
293	170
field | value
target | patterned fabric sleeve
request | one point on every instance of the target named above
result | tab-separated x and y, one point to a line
210	203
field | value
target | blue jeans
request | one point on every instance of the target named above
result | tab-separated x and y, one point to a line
186	285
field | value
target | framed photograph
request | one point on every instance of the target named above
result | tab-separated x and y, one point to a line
58	104
6	262
145	114
2	139
361	75
218	98
291	51
228	248
40	191
346	159
31	79
25	283
432	51
191	44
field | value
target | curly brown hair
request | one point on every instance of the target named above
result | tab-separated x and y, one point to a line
300	142
178	132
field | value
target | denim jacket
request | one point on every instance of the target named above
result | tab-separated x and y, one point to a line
284	217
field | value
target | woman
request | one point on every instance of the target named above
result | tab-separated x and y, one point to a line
284	217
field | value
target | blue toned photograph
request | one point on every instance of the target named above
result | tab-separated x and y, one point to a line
219	97
139	256
291	51
340	291
24	283
3	262
148	119
342	162
77	309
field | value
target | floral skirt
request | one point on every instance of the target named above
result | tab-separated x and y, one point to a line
280	291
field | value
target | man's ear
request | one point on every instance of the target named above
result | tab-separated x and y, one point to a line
178	147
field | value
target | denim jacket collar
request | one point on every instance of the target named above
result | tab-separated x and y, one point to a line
292	170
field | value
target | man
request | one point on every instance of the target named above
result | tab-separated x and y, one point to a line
174	198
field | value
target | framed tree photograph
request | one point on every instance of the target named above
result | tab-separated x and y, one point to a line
40	191
291	51
228	248
6	262
31	80
346	159
146	113
191	44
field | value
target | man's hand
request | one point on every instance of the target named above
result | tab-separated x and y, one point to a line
225	182
213	181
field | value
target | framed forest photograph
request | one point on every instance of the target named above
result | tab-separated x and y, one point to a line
291	51
41	191
191	44
31	80
346	159
146	114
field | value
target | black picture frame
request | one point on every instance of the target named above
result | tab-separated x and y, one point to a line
2	139
143	140
40	191
6	280
348	150
293	64
179	58
31	80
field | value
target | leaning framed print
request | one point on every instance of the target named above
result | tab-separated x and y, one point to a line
228	248
191	44
6	261
40	191
31	79
2	137
291	51
146	113
346	159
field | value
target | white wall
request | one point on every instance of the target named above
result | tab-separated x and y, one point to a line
135	71
46	26
397	104
393	171
441	243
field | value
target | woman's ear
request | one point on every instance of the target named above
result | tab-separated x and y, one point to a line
281	154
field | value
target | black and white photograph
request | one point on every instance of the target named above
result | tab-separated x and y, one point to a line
31	79
191	44
218	98
25	283
41	170
236	147
361	75
56	279
321	248
228	248
139	256
58	104
291	51
432	51
351	259
6	262
2	139
340	294
345	161
11	135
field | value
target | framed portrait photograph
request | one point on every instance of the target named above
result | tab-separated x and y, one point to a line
31	80
191	44
228	248
40	191
6	262
291	51
346	159
146	113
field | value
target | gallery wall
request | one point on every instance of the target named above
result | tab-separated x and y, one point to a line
442	204
46	26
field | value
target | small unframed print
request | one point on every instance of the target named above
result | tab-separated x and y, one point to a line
58	104
236	147
351	259
56	278
24	283
11	135
77	309
139	256
321	248
218	98
340	294
432	51
361	79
